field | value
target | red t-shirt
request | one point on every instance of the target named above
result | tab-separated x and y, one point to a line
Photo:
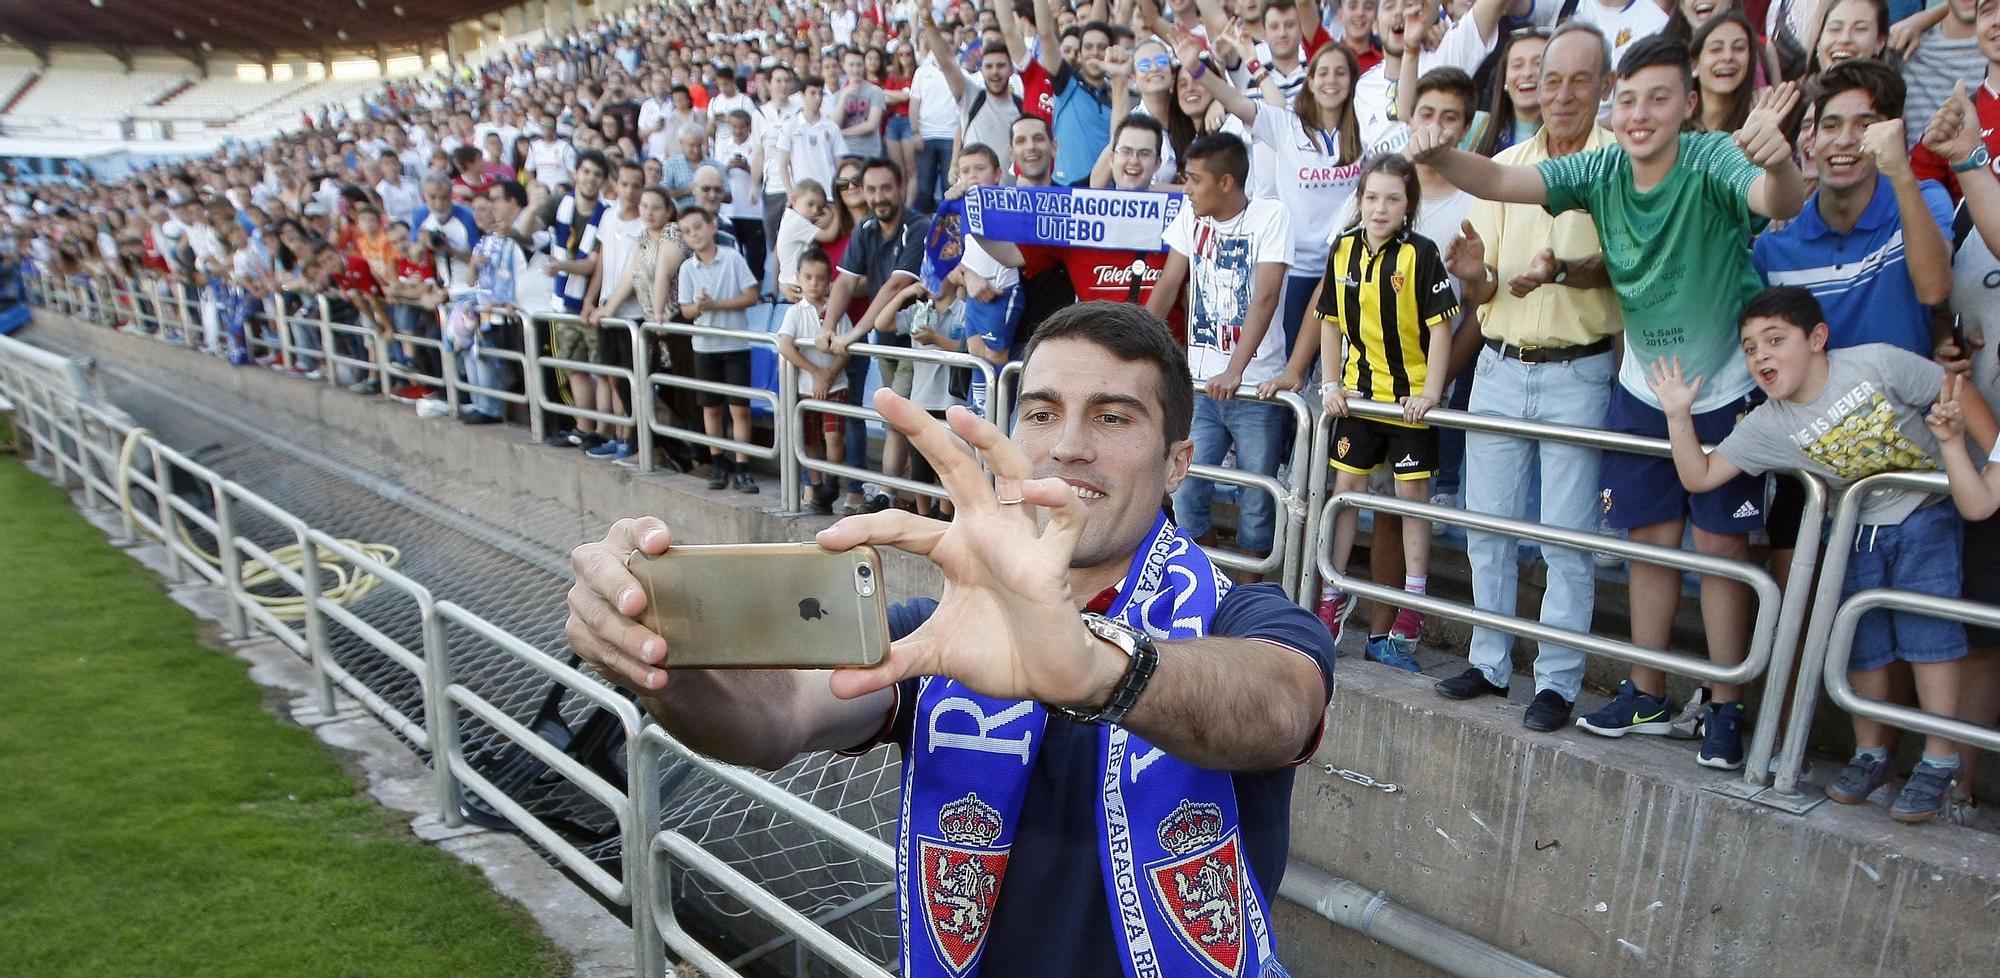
1929	166
1100	274
1037	95
357	277
415	272
894	84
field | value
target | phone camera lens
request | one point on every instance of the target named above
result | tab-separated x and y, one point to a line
867	571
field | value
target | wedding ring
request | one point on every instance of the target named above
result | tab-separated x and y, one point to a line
1013	502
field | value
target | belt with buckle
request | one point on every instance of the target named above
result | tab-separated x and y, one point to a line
1549	354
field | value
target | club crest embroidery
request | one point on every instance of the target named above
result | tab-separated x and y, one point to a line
1200	886
961	880
1396	282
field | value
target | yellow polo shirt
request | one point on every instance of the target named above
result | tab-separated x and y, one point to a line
1553	315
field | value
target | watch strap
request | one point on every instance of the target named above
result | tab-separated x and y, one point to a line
1143	661
1980	157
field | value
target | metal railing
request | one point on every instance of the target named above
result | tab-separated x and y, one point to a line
1779	617
1830	635
533	323
668	847
800	436
646	397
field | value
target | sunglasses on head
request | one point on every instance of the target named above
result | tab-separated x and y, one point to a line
1541	32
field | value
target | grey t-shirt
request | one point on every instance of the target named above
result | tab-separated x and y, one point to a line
723	277
1868	419
1939	63
854	109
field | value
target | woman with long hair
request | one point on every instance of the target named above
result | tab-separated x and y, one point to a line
1151	67
1851	29
1726	54
1312	152
850	208
1514	114
898	135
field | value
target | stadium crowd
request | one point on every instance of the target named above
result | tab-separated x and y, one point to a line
1757	225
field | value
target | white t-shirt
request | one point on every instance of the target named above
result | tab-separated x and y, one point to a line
1223	257
816	149
1307	176
795	235
777	124
1623	25
977	261
743	199
551	161
803	324
937	112
1374	95
617	241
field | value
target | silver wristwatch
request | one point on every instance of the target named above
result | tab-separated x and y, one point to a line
1143	660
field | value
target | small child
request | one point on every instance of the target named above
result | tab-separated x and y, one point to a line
1845	415
1387	304
715	288
991	321
822	375
800	230
938	322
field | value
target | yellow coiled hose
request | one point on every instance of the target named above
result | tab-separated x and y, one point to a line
350	584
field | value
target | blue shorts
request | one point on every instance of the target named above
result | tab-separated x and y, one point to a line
1920	554
994	322
899	128
1641	490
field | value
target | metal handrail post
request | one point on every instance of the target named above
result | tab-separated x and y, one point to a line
315	623
642	762
785	433
447	361
440	714
1799	586
641	402
187	321
327	351
531	370
232	559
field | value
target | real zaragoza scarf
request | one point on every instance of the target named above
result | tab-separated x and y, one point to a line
1170	845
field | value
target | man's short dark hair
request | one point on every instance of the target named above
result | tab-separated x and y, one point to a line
1451	81
594	156
1789	303
1130	333
1098	26
814	256
1654	51
1030	117
705	213
981	149
1145	122
514	192
1222	154
811	81
1884	86
882	163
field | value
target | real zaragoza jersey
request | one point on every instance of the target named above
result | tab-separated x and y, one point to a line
1386	303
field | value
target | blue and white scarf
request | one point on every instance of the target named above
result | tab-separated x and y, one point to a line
575	238
1170	843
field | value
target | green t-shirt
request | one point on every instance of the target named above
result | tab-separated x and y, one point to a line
1678	256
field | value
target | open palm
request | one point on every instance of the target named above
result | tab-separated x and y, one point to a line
1006	625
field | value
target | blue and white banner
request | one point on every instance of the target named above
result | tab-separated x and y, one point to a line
1064	217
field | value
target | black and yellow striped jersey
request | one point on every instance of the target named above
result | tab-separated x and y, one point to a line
1386	303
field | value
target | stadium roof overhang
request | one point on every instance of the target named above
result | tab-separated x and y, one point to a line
195	29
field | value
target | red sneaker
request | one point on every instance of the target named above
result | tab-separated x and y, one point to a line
1408	623
1333	611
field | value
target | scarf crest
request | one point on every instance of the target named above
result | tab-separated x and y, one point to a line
1182	895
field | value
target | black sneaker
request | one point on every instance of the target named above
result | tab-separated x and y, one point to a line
1548	711
561	438
590	441
745	484
1467	685
718	476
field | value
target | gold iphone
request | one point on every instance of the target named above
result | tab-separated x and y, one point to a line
766	606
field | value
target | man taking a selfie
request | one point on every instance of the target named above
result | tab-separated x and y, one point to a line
1089	685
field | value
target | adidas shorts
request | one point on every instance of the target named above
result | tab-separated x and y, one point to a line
1363	445
1641	490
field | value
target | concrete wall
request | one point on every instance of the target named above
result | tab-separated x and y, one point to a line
1591	857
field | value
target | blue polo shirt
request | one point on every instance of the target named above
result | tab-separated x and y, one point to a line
1861	278
1082	125
1051	917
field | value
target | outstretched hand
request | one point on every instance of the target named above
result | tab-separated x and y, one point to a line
1762	136
1675	391
1006	625
1465	254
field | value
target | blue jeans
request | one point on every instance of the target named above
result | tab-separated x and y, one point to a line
1256	429
1451	441
1498	471
933	173
856	444
1298	289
